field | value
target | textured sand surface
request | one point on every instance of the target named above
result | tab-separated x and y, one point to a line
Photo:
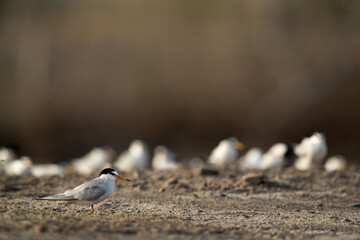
198	203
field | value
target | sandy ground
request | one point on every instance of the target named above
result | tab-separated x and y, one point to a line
227	203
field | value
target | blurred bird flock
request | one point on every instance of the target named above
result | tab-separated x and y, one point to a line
309	156
185	74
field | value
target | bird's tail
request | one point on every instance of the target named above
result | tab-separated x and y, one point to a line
57	197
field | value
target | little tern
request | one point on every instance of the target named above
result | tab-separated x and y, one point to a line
164	159
7	154
252	159
93	161
137	157
275	156
311	152
91	192
17	167
50	169
335	163
226	152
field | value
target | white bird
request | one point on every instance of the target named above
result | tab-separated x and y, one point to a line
335	163
311	152
226	152
18	167
303	163
95	160
252	159
137	157
274	157
7	154
164	159
91	192
195	162
41	170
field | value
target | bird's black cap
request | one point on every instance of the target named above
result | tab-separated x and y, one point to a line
108	171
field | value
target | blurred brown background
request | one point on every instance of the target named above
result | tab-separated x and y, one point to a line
78	74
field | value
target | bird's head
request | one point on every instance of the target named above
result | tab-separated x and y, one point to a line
235	142
138	147
278	150
113	173
26	161
318	137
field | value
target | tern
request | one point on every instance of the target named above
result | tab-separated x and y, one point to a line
91	192
311	152
226	151
164	159
93	161
17	167
7	154
252	159
275	156
137	157
41	170
335	163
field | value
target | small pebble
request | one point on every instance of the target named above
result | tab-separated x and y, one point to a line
39	228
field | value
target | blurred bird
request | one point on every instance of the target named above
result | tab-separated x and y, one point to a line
95	160
275	156
164	159
91	192
18	167
7	154
41	170
194	162
252	159
311	152
135	158
335	163
226	151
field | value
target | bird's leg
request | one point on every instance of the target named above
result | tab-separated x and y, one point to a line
68	202
92	208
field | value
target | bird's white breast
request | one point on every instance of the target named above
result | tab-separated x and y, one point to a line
224	153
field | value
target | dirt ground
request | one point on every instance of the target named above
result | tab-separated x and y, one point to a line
204	202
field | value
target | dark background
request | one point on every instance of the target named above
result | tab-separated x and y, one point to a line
78	74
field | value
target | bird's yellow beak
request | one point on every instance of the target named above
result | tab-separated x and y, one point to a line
122	178
1	160
29	163
239	145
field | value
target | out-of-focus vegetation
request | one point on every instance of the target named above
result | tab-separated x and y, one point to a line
75	74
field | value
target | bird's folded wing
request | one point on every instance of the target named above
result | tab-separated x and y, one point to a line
58	197
89	191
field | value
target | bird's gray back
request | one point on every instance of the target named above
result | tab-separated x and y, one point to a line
90	191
